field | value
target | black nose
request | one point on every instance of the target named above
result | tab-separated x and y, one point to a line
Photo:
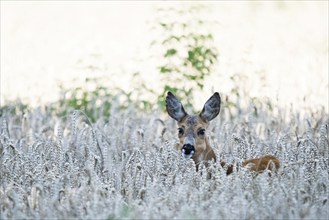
188	148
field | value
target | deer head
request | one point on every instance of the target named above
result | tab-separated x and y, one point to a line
192	129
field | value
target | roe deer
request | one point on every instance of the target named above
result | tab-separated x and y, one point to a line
192	135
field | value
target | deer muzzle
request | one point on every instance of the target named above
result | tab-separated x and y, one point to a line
188	151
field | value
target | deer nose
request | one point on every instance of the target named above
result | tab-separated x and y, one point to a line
188	149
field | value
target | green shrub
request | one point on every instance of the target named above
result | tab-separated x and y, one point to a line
187	51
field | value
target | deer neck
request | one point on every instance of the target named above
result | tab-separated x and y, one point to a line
207	155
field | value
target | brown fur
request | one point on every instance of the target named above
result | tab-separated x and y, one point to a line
262	163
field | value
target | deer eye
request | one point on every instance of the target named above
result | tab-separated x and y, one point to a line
180	131
201	132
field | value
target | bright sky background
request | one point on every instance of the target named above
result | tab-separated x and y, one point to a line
44	43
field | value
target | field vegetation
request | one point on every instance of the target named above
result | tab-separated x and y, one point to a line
125	166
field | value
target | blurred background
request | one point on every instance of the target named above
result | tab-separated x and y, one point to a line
75	53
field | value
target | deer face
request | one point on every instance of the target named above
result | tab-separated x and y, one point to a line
192	128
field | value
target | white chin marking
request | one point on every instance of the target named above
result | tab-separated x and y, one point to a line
187	156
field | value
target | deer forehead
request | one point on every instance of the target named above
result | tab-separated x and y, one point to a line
192	122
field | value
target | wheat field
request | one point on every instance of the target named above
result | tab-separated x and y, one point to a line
125	167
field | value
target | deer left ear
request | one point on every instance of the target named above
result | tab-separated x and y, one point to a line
174	107
211	108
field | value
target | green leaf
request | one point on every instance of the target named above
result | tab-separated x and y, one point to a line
170	52
164	69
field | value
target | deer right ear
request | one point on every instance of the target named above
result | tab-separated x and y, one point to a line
174	107
211	108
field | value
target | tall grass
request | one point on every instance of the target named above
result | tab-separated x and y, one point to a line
125	166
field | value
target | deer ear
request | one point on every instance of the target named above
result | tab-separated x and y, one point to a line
211	108
174	107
